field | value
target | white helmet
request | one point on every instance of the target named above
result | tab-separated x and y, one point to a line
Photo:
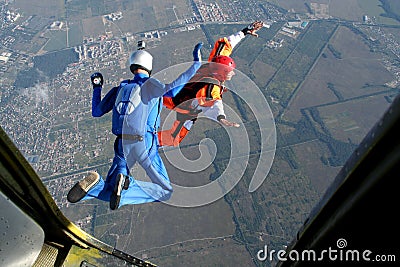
143	59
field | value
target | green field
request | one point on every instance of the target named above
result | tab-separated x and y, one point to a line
46	8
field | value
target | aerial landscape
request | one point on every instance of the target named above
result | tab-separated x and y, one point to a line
307	90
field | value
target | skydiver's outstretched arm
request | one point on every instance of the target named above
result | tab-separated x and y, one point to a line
216	112
224	46
252	29
155	88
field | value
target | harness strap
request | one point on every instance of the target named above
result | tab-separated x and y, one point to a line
132	137
219	48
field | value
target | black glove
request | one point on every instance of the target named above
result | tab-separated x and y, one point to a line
96	79
253	28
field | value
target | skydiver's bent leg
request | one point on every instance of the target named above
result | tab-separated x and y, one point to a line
122	182
140	192
100	190
143	192
119	164
175	135
81	188
160	188
93	186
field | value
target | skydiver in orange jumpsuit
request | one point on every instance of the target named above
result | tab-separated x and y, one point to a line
203	93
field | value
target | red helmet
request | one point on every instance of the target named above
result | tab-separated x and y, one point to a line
225	60
223	67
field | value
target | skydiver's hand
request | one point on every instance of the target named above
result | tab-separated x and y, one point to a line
96	79
197	52
229	123
253	28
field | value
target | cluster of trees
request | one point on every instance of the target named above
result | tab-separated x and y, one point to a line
392	9
335	52
55	63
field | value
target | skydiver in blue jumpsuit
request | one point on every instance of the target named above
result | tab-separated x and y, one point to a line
136	105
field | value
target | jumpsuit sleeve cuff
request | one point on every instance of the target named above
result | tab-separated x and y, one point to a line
220	117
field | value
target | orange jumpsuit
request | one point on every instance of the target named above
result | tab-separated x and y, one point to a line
203	93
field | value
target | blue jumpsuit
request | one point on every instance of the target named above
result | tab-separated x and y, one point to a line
144	121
